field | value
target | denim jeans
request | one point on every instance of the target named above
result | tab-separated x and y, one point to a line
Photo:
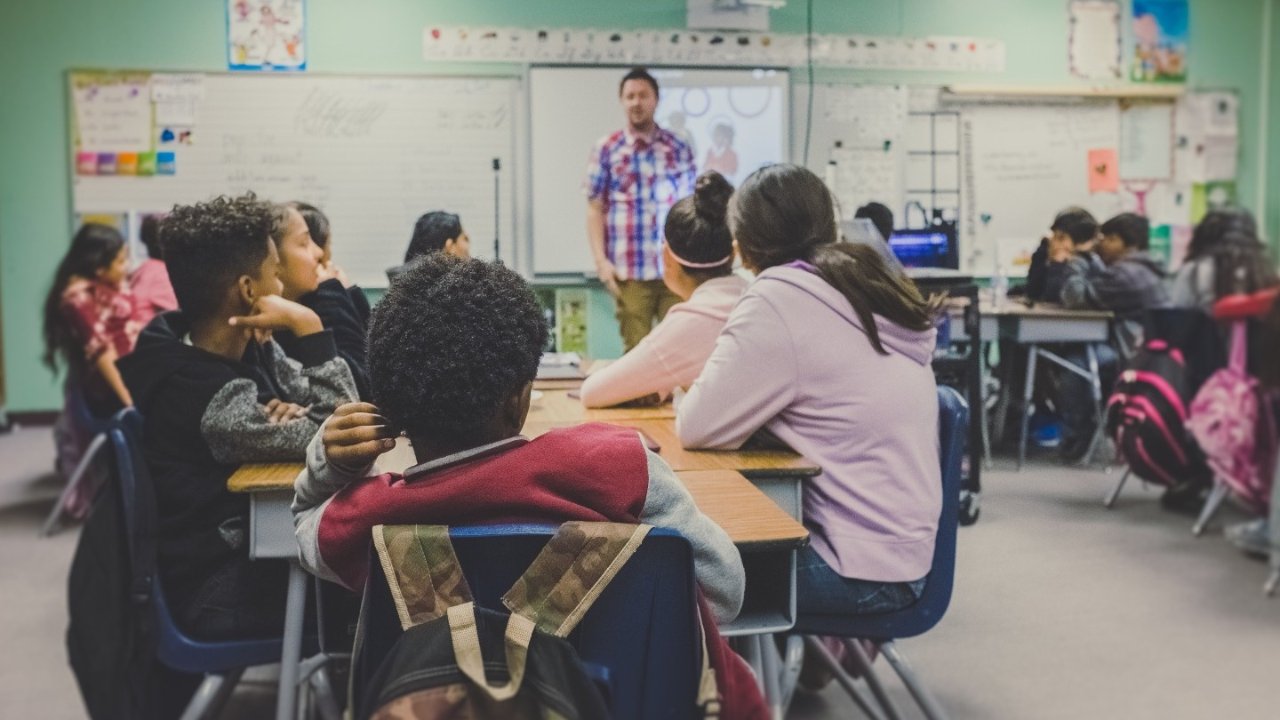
820	590
1074	394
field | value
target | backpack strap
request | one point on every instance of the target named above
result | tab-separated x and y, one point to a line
1239	346
470	659
422	571
571	571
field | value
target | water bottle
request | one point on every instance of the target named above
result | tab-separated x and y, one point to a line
999	288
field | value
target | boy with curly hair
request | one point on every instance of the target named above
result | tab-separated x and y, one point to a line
215	392
453	351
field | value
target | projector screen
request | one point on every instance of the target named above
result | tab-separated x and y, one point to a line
735	120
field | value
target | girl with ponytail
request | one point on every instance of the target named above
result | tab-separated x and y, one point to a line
829	351
697	266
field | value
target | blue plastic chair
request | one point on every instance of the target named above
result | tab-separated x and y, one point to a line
222	663
76	407
884	629
639	640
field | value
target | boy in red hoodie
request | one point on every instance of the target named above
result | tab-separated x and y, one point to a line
453	350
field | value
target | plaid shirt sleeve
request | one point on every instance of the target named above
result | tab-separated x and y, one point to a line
597	181
88	320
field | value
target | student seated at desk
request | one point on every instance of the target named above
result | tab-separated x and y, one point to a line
436	231
213	397
697	266
319	285
1120	276
453	351
830	352
1071	228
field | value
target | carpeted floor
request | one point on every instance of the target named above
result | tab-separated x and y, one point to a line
1062	609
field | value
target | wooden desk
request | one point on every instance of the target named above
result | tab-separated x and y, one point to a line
556	406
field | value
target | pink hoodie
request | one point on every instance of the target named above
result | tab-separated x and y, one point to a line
794	358
673	354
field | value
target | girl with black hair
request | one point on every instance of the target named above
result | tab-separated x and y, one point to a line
830	351
1224	257
90	317
697	266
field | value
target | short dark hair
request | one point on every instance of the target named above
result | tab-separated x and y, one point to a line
431	232
1077	223
209	245
450	342
149	234
880	216
1132	228
639	73
317	222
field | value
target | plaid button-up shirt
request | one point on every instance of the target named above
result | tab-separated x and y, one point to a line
638	179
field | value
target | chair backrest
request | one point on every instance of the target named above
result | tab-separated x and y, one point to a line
173	647
953	422
641	635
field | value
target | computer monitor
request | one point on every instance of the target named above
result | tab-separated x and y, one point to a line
933	247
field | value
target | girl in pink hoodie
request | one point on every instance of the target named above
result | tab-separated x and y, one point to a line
829	350
697	266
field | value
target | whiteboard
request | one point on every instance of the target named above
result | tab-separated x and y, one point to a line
373	152
571	108
1022	165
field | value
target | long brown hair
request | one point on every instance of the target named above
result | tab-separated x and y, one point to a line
782	213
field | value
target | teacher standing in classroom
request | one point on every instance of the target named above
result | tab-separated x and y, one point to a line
634	176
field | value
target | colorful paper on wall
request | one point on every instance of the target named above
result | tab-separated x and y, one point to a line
266	35
571	320
1160	33
1211	196
1104	170
119	221
166	163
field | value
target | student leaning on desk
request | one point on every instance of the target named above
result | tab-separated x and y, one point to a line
453	351
212	396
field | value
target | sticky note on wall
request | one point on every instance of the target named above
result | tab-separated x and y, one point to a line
127	164
106	163
146	163
87	163
166	163
1104	170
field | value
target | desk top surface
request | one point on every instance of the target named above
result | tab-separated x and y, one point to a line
557	406
1017	309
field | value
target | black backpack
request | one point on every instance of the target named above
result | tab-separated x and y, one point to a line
1146	417
110	637
456	659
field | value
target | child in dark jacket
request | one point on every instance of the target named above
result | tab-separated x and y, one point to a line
453	350
214	393
1073	229
1119	276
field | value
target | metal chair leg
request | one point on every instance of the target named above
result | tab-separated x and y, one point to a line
1210	508
1095	387
1272	583
1028	391
1115	492
326	701
928	704
854	648
53	523
792	661
815	646
212	695
770	667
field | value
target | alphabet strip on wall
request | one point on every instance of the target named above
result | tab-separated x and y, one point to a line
686	47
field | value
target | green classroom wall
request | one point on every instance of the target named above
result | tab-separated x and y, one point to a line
40	41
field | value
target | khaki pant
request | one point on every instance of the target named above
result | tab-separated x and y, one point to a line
640	304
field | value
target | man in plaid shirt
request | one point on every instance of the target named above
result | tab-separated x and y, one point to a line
634	176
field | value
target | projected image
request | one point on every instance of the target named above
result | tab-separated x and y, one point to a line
732	128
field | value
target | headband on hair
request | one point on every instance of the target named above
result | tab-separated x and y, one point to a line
696	265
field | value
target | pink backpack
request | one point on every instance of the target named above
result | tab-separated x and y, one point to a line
1232	422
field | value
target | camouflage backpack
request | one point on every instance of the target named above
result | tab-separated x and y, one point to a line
455	659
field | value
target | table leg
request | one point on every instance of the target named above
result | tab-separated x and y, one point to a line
983	376
291	649
1029	389
1273	526
770	665
1095	386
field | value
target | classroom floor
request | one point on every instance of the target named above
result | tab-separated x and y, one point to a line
1062	609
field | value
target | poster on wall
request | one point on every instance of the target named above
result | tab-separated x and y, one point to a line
266	35
1093	46
1160	39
